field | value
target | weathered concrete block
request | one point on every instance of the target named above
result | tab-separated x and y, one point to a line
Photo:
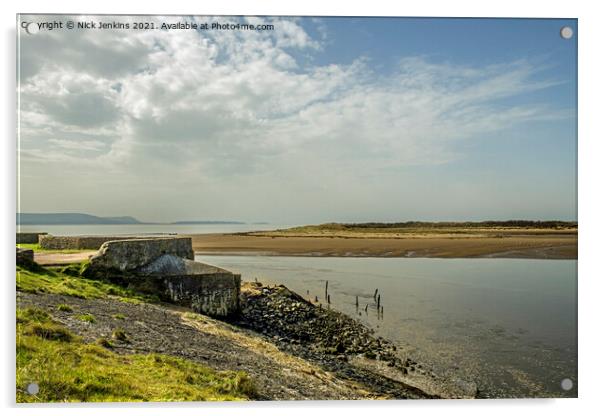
24	256
28	238
204	288
129	255
84	242
165	267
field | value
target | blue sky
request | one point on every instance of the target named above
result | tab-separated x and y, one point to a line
323	119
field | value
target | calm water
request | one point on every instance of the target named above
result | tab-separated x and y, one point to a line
141	229
510	325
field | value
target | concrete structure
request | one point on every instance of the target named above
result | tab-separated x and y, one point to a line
28	238
80	242
129	255
24	257
204	288
165	266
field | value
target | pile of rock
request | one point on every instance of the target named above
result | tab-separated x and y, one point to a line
340	344
287	317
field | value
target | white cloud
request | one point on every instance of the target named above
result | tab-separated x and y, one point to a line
182	107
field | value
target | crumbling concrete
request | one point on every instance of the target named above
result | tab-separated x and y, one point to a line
76	242
129	255
165	267
24	257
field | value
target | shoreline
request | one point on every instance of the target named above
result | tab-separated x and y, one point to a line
558	247
523	247
323	354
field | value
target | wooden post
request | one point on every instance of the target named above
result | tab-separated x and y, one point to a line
375	293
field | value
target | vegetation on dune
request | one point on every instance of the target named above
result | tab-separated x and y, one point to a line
68	281
68	370
434	227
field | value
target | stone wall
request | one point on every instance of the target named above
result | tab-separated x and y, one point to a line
28	238
129	255
51	242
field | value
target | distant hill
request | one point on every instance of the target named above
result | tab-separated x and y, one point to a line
71	218
206	222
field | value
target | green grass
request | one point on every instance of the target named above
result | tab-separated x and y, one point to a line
86	317
68	370
37	247
64	308
119	335
103	342
45	280
119	316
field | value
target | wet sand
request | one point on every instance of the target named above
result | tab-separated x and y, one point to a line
514	246
553	246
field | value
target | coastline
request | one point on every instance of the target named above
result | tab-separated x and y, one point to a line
546	246
321	354
551	247
325	340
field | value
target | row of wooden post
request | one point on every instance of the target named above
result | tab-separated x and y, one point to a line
379	308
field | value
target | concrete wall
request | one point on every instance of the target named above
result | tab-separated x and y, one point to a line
213	294
28	238
165	267
129	255
51	242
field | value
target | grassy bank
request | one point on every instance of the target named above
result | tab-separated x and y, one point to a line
68	370
67	281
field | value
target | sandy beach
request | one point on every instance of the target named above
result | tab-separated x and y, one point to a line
552	246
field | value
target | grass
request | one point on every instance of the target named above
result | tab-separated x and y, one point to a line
374	229
86	317
119	335
37	247
103	342
119	316
64	308
65	282
68	370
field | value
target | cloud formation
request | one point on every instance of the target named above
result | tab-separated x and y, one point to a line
165	124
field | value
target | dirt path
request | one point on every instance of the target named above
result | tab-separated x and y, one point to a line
48	258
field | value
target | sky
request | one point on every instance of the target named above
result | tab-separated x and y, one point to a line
319	120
